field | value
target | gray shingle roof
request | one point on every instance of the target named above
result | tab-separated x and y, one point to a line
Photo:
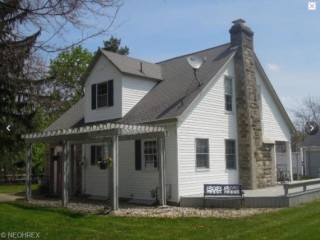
134	66
170	98
70	118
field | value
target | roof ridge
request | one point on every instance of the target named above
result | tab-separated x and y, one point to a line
126	56
184	55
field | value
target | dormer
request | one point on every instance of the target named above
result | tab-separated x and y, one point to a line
115	84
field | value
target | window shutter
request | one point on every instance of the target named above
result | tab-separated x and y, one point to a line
110	93
94	96
138	160
93	155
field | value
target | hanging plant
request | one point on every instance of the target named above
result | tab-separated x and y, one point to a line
105	163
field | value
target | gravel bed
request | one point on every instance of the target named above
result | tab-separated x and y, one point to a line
131	210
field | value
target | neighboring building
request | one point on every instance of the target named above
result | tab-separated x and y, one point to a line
310	152
167	132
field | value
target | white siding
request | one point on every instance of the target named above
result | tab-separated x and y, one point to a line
132	183
274	127
103	71
138	184
171	163
208	119
96	180
133	90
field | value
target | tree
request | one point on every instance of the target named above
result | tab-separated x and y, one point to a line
57	17
308	110
67	86
22	68
16	88
113	45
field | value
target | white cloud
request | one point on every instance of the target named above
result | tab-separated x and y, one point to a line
273	67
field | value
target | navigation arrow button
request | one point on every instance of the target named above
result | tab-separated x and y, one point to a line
8	128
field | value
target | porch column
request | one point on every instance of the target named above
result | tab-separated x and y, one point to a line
65	172
28	171
114	183
302	161
162	178
289	159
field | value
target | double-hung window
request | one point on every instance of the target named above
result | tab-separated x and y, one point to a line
228	94
150	154
231	162
202	153
146	154
97	153
102	94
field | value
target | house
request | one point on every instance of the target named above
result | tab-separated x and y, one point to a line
310	152
165	133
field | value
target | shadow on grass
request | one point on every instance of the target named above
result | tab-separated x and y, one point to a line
65	212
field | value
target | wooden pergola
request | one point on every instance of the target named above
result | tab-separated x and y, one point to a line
93	134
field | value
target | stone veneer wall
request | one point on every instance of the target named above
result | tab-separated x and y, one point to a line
256	159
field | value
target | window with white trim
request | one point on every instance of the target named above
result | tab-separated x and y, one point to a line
150	154
231	160
228	94
102	95
202	153
97	153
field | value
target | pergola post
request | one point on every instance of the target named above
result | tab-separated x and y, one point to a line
289	159
114	178
65	172
28	171
162	178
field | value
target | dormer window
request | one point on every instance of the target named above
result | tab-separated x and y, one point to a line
102	94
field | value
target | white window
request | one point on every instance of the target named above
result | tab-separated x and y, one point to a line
231	162
150	154
228	94
202	153
96	154
102	95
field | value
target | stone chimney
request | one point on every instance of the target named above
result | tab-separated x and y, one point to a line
256	161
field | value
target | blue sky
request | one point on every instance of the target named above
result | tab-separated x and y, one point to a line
287	36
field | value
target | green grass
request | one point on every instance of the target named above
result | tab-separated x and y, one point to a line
16	189
301	222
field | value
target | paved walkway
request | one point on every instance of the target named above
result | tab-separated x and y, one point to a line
5	197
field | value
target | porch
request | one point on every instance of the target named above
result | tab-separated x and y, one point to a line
286	195
93	134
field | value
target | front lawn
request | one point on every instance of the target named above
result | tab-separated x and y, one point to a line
293	223
16	189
